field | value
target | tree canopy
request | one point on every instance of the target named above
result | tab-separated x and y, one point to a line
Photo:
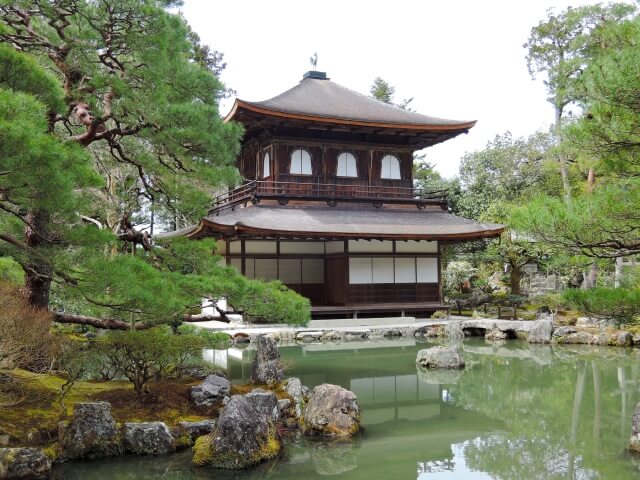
109	123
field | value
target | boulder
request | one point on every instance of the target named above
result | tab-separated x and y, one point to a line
267	367
562	331
308	337
453	330
296	392
429	331
540	332
331	411
24	464
91	433
211	391
352	335
620	339
577	338
243	437
440	357
496	334
265	402
331	336
283	405
392	332
148	438
197	429
634	441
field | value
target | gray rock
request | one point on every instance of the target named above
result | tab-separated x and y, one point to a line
266	367
197	429
265	402
634	441
393	332
453	330
295	391
440	357
429	331
91	433
211	391
496	334
577	338
621	339
331	336
283	405
243	437
24	464
308	337
148	438
541	332
331	411
562	331
349	336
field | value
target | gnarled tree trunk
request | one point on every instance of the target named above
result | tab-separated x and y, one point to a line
38	271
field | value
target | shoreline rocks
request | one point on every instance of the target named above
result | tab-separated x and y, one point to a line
147	438
440	357
267	368
211	391
24	464
634	441
91	433
331	411
243	437
541	332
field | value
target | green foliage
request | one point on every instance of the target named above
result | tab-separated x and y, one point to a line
456	274
621	304
382	90
141	356
211	338
10	271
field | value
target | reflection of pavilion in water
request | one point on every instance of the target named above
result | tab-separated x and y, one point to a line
403	411
400	395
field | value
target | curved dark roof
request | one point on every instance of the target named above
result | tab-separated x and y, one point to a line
322	99
344	222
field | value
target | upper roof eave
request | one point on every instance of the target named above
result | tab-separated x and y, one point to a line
242	104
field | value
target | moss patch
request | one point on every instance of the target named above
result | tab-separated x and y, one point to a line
36	408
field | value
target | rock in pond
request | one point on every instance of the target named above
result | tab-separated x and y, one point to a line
24	464
148	438
265	402
453	330
634	441
440	357
296	391
496	334
91	433
540	332
243	437
197	429
211	391
266	367
429	331
331	411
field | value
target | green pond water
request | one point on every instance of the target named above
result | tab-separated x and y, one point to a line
516	412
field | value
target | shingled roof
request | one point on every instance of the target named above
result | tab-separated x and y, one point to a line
321	99
345	222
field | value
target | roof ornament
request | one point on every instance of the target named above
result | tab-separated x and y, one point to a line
314	60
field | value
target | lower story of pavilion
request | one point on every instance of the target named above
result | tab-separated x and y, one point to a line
347	278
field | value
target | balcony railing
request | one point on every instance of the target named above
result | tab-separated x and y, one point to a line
331	193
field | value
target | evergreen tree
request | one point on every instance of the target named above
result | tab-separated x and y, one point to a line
125	127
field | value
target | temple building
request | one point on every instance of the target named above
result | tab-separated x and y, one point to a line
329	205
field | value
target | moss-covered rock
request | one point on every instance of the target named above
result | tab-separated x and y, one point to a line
331	411
243	437
24	464
147	438
92	432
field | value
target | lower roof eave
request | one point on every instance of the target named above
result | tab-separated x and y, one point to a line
206	228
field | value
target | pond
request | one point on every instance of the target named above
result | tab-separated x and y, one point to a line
516	412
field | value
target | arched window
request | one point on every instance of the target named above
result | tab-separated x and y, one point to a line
266	165
347	165
390	168
300	162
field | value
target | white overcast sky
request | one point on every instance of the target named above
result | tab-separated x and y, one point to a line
459	59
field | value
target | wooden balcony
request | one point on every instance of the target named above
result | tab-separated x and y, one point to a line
312	189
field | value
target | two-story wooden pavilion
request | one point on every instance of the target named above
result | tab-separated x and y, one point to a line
330	207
